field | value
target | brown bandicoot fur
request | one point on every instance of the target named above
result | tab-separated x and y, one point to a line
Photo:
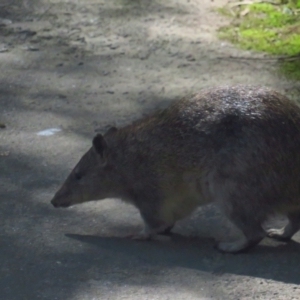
236	146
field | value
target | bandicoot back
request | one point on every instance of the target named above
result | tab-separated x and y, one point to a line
236	146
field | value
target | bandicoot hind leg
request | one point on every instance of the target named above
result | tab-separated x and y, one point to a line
167	230
252	236
251	228
289	230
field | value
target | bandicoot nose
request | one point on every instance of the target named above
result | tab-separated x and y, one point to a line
54	203
60	204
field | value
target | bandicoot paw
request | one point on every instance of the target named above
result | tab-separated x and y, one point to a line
148	237
140	236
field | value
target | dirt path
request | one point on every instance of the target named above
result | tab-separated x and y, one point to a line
80	66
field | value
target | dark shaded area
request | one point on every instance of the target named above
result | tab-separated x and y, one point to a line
185	252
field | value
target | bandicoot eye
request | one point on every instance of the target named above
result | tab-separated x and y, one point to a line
77	175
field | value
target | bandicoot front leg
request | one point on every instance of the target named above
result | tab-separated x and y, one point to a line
154	229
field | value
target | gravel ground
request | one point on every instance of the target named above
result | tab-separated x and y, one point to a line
80	66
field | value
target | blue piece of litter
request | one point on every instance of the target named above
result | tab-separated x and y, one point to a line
49	131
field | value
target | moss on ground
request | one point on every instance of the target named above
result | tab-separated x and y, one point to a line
270	27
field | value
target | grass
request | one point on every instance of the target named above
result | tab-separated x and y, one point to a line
274	29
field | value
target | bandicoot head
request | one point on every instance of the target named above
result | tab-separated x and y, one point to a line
94	177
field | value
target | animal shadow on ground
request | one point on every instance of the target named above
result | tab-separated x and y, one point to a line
264	261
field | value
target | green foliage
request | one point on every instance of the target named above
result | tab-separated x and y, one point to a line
291	69
274	29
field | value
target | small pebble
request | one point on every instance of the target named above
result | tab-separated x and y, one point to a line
5	22
190	57
3	48
113	47
30	48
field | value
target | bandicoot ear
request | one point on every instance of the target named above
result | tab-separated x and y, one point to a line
110	131
100	144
